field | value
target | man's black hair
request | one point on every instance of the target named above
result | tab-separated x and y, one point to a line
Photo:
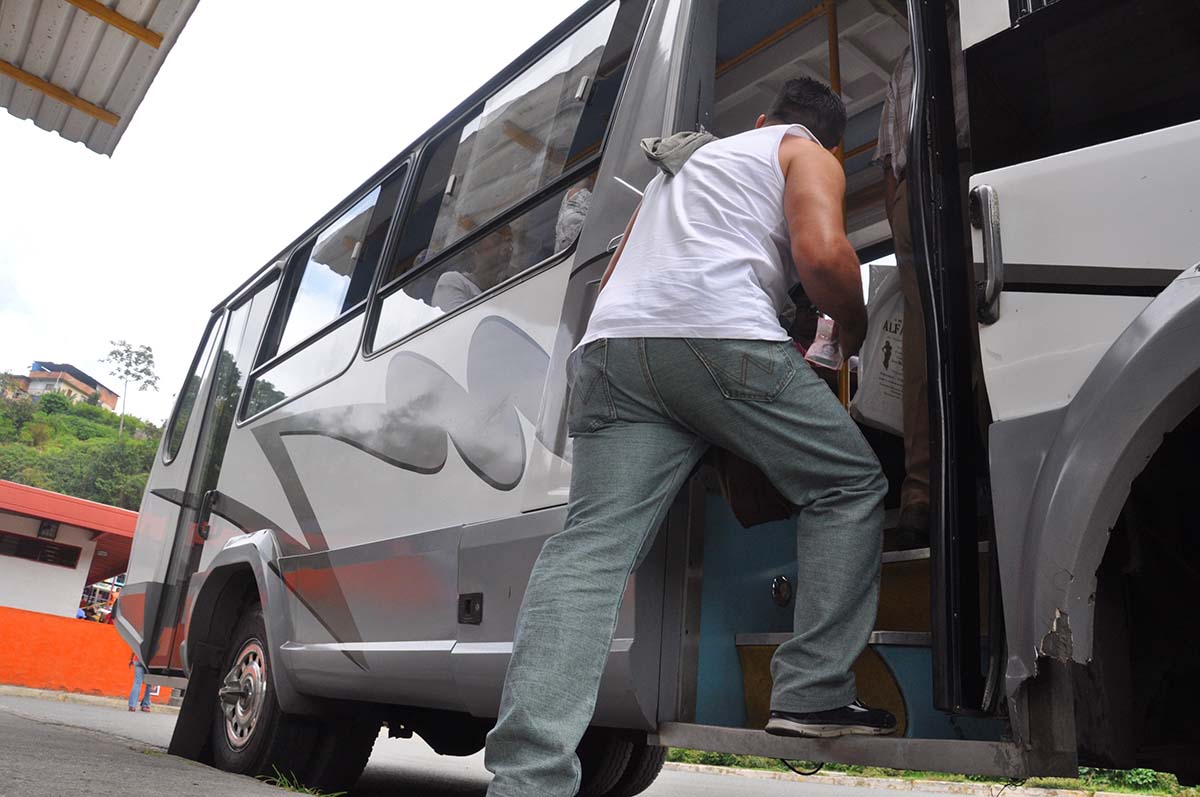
808	102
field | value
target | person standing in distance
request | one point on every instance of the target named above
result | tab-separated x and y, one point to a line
684	350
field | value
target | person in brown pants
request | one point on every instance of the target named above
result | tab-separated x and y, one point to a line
914	495
891	153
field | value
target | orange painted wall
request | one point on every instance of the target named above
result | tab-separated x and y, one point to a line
42	651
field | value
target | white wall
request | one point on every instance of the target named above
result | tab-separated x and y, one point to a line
38	387
39	587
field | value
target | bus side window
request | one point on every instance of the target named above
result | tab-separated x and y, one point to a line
532	138
332	277
319	312
191	391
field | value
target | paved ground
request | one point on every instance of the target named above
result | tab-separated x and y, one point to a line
44	758
54	749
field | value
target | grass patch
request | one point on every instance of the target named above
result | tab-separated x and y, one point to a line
1138	781
290	782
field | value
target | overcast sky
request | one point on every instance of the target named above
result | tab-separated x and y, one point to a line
264	116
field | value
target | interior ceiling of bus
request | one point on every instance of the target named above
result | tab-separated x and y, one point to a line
763	43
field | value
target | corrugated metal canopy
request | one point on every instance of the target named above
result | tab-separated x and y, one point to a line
81	67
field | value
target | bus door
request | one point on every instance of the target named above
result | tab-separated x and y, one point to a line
164	506
741	53
232	362
957	457
181	494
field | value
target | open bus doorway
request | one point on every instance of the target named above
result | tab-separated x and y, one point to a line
745	610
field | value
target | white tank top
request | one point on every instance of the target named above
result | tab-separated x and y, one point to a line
709	255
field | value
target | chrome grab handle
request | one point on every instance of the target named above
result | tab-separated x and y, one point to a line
207	504
985	214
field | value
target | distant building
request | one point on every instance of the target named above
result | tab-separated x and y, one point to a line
48	377
13	386
52	546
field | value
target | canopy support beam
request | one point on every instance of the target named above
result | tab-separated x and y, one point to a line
119	21
55	92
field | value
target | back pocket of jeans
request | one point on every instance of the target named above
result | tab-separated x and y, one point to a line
748	370
591	403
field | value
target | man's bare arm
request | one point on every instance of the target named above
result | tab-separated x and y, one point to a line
824	258
612	264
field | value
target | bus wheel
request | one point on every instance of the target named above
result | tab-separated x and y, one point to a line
251	735
340	754
603	757
644	765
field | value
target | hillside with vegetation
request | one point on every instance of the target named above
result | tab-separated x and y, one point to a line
76	448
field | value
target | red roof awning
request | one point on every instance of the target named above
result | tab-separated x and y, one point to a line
113	525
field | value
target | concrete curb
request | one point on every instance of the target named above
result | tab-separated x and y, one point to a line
72	697
895	784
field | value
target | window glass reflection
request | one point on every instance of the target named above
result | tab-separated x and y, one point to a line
323	359
531	132
191	391
332	268
510	249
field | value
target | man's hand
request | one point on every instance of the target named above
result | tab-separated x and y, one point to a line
851	343
825	260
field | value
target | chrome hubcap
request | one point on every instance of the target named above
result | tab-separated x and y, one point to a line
243	694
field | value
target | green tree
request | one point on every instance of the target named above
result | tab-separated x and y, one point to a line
131	364
51	403
39	434
77	451
19	410
8	384
94	399
15	458
34	477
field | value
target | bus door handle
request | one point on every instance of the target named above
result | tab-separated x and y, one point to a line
207	503
985	215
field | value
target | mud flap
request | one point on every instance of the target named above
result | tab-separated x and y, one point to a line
192	738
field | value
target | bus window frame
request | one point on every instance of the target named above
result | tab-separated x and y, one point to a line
516	211
412	159
210	328
345	318
281	308
381	290
273	329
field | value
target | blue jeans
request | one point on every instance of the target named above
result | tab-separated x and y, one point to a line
642	413
139	674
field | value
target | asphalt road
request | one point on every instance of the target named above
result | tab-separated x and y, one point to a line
55	749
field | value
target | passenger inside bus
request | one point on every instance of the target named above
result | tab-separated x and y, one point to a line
891	155
488	263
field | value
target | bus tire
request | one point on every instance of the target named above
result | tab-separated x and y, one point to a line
251	734
645	764
603	756
340	754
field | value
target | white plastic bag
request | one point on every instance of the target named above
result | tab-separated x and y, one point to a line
879	400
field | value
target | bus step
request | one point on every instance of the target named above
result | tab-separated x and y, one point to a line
1001	759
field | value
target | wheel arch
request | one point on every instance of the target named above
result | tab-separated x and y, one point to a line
1145	385
243	571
